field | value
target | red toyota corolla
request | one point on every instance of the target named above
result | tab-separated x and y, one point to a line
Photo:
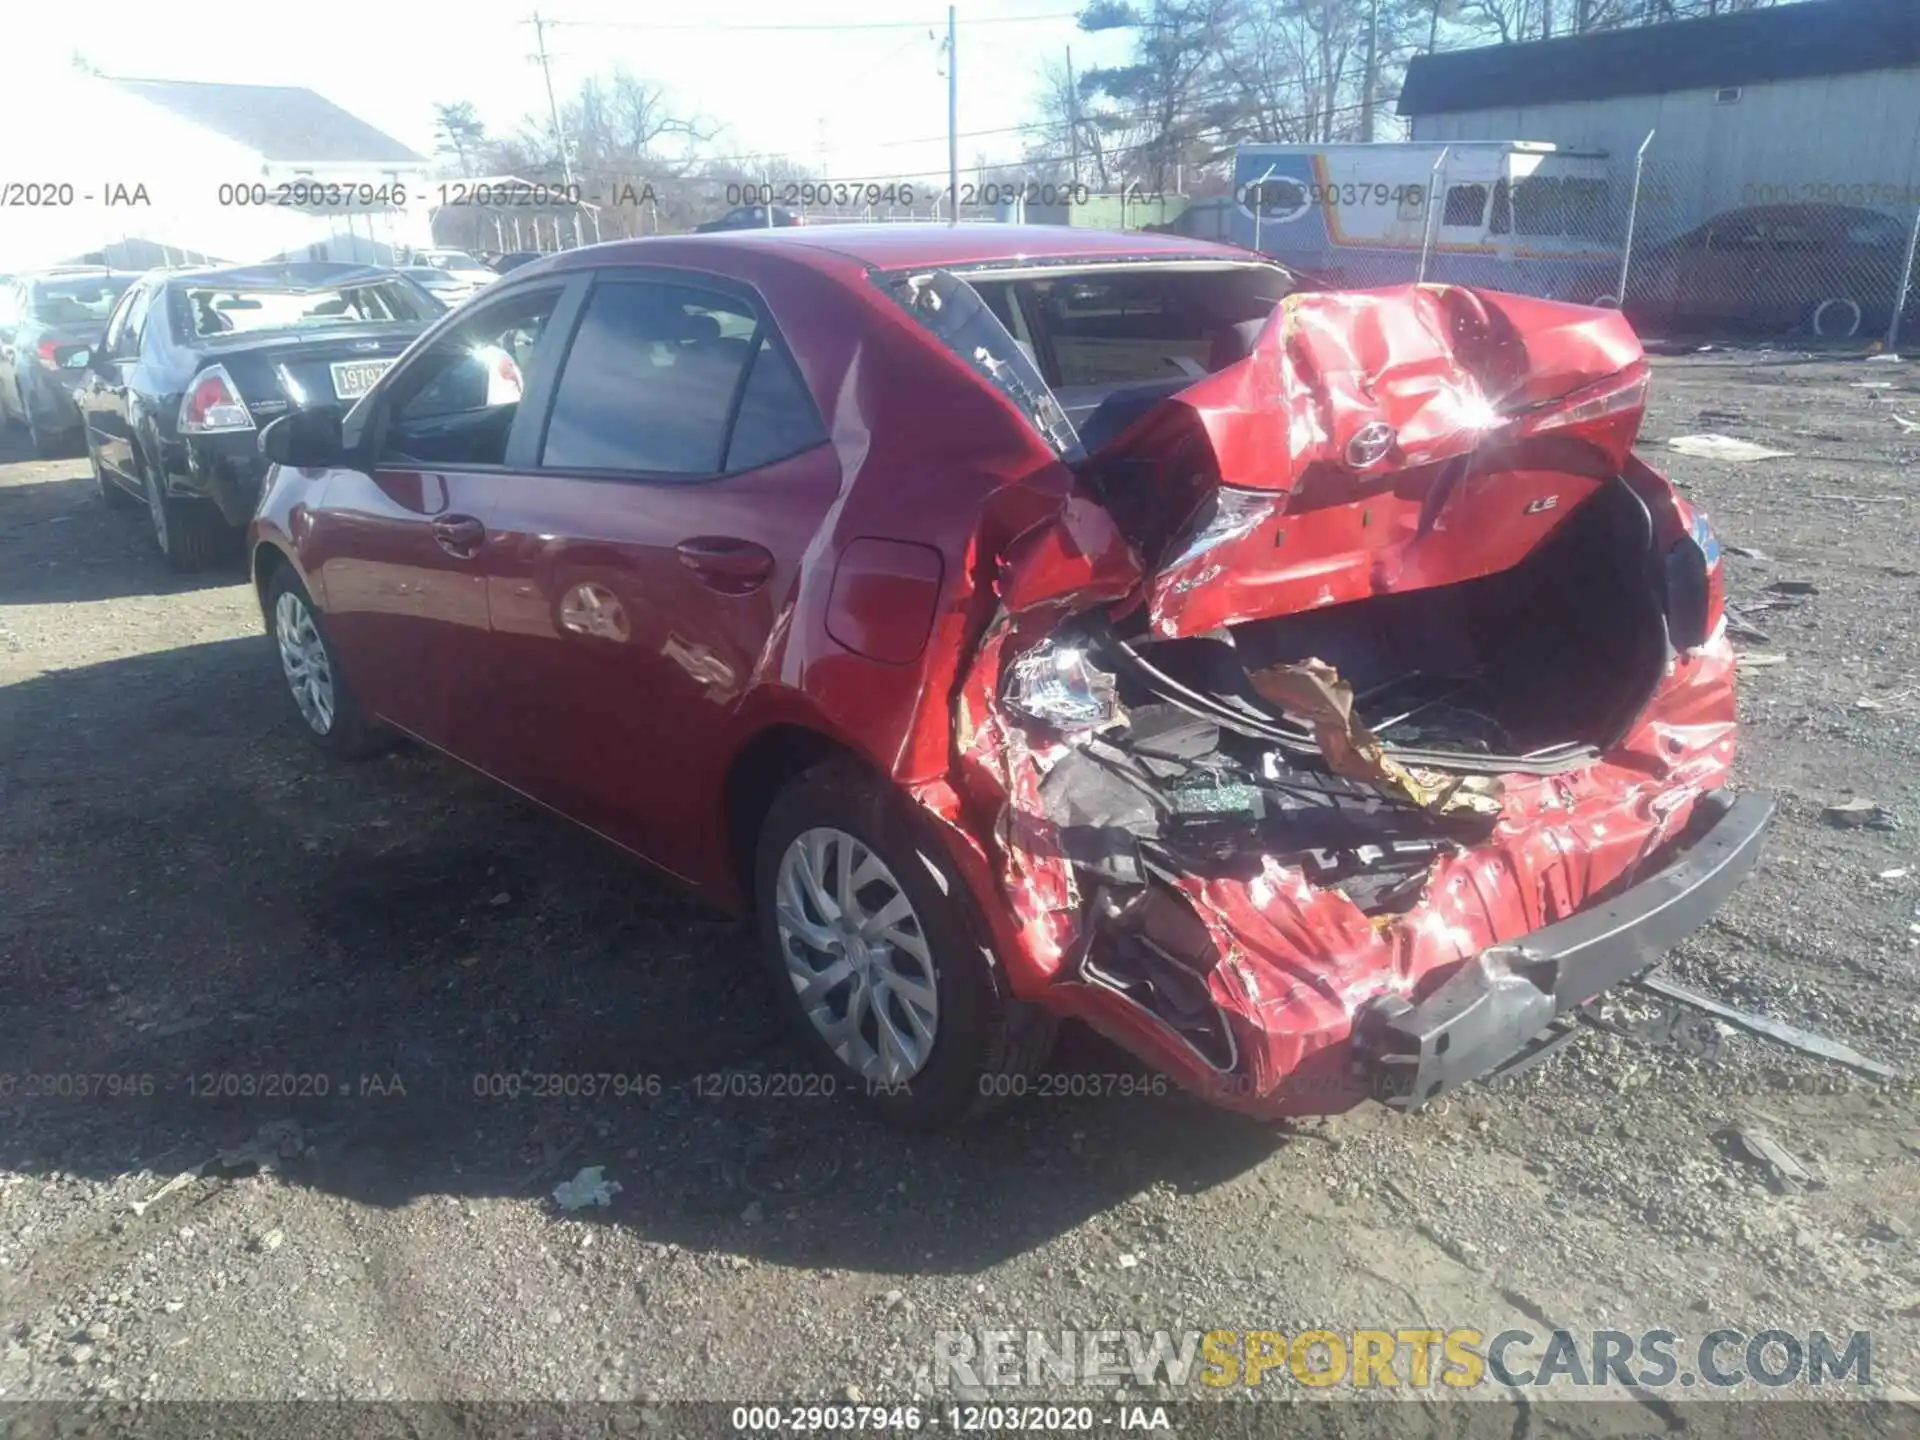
1310	691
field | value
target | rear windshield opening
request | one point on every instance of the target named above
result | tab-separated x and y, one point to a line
78	302
1127	326
1085	350
216	310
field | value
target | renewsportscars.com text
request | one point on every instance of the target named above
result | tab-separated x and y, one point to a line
1418	1358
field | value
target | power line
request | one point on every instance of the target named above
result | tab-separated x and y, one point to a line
1206	134
813	25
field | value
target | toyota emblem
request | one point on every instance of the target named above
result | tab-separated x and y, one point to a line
1370	444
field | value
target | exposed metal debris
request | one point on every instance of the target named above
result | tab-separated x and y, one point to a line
1778	1031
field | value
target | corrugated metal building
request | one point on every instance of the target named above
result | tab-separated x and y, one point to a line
1807	103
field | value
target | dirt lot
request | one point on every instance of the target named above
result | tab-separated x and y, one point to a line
188	893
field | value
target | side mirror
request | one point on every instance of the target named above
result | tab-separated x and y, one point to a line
305	439
74	357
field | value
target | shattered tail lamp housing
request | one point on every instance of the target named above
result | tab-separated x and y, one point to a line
1054	683
1696	585
1607	413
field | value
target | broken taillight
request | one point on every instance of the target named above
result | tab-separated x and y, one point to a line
1696	584
213	402
1606	413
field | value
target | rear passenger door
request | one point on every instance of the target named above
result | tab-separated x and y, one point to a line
640	565
105	398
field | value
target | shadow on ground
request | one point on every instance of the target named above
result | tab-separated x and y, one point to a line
60	542
206	929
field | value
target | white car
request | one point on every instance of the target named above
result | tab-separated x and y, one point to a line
456	263
446	286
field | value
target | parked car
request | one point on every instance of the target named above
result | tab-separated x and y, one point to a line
752	217
1833	270
445	286
194	361
47	323
457	264
1313	692
514	259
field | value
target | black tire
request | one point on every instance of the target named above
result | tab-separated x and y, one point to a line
985	1039
111	491
349	734
192	534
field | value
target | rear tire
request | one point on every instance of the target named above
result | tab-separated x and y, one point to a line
974	1040
328	709
191	534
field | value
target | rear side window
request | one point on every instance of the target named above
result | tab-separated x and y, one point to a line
650	381
776	416
132	320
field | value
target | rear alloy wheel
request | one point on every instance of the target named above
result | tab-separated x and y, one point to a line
877	959
190	533
856	955
326	705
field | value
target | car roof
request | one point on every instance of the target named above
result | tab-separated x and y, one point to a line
292	275
77	272
1811	212
911	245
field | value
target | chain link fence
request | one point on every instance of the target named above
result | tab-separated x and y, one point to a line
1688	251
1713	252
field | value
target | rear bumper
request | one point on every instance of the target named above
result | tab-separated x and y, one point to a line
1494	1014
225	469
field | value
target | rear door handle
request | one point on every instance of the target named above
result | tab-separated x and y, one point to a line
733	567
459	535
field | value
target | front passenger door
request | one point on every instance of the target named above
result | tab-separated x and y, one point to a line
400	546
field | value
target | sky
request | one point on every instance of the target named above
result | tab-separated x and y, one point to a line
853	103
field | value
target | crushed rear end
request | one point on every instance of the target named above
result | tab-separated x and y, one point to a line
1365	711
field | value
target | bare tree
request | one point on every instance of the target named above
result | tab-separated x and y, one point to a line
458	130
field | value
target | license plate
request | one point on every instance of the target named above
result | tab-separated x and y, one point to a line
353	378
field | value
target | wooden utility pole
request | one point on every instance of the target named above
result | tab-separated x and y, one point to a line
1371	81
953	120
1073	118
553	106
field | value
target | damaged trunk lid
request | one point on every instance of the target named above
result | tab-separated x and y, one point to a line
1396	532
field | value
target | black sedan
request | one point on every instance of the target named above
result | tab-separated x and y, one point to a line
194	361
47	321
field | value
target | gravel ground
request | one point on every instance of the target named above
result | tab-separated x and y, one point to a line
187	894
